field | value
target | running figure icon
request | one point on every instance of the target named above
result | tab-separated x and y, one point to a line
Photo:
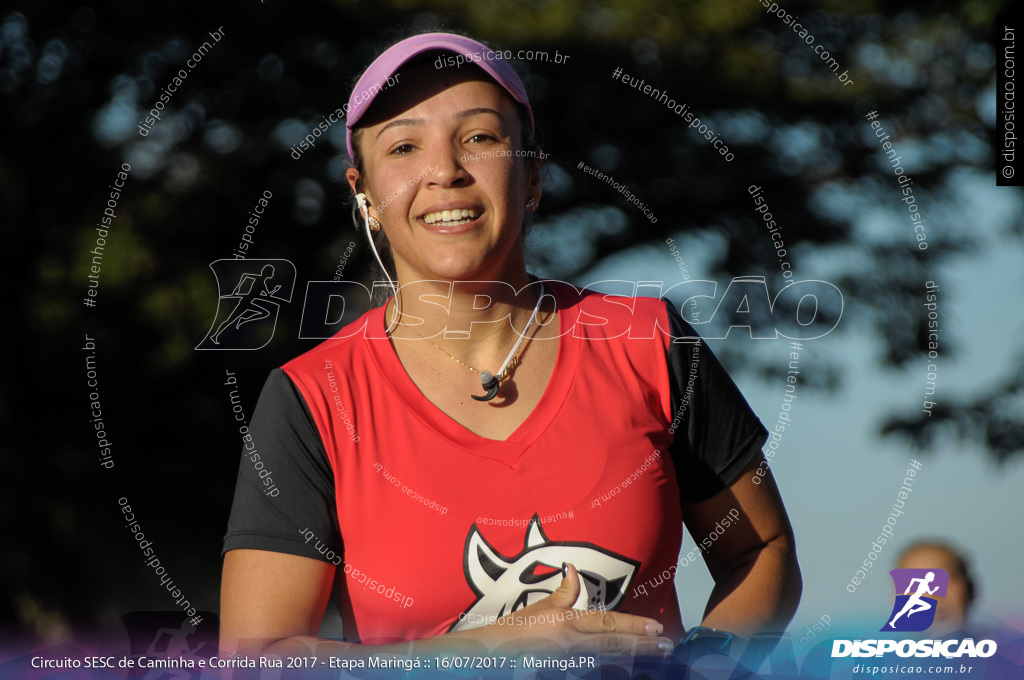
250	295
917	591
916	604
250	306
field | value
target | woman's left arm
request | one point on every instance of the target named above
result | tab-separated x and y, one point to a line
752	559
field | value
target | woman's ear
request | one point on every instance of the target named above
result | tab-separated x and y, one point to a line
352	175
533	177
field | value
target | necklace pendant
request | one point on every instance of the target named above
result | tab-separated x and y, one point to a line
492	385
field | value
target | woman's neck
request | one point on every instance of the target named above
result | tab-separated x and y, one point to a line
476	321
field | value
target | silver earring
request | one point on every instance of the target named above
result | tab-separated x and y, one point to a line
374	224
531	204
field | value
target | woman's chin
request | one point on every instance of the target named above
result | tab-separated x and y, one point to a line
458	268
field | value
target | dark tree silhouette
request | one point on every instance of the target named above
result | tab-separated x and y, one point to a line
75	83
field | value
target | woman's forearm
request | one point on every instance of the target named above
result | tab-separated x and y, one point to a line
759	594
550	626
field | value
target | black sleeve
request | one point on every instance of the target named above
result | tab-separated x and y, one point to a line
717	434
288	448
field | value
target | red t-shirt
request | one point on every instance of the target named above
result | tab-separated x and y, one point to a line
440	529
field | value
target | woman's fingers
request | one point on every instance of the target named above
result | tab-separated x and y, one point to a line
615	622
589	631
592	620
568	591
622	644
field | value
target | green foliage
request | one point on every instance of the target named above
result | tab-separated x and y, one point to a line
74	83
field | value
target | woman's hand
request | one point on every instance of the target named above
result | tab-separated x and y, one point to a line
552	626
272	604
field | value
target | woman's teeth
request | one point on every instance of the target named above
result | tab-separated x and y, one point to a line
450	218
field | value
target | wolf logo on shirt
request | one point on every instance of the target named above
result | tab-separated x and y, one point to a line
506	584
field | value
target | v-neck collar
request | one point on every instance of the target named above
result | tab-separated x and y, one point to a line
509	450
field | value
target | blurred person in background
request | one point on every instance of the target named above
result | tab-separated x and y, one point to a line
952	610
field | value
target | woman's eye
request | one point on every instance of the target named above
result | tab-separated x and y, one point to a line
481	137
402	150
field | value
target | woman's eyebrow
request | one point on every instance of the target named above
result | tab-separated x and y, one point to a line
399	122
461	115
469	113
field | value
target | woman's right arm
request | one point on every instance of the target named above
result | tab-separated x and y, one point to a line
273	603
267	598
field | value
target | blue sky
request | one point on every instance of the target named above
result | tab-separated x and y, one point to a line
839	479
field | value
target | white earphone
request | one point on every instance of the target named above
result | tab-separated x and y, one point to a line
364	208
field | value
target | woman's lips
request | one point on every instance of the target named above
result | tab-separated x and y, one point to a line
452	226
451	214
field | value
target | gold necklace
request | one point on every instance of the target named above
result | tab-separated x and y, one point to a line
490	381
501	376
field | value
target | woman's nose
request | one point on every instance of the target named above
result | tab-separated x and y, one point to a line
447	168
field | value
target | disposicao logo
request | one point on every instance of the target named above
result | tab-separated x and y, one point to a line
250	295
920	587
917	593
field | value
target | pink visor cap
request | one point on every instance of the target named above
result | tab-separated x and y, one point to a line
376	76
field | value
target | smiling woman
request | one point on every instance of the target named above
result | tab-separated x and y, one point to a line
579	393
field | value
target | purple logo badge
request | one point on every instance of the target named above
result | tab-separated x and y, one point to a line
917	591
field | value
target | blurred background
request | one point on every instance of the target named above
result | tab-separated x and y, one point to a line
77	78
